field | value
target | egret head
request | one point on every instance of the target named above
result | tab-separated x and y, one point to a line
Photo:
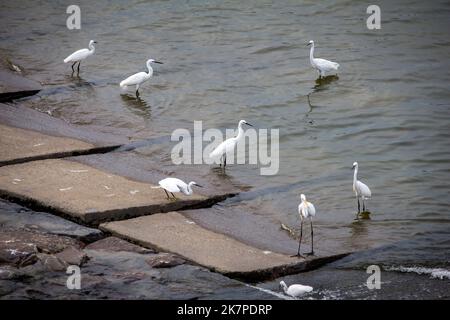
302	197
153	61
310	43
193	183
92	42
283	285
244	122
355	165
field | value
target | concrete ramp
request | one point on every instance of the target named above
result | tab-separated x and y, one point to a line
14	86
173	232
20	145
88	195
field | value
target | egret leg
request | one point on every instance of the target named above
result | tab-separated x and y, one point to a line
300	241
166	194
364	205
73	66
359	207
312	240
224	160
137	91
173	195
79	62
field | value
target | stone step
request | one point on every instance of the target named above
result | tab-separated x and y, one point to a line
21	145
173	232
89	195
15	86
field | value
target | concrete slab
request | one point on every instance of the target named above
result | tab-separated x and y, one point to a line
14	86
262	229
19	145
86	194
173	232
23	117
156	165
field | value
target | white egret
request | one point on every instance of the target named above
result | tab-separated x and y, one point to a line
81	54
361	190
321	65
228	145
295	290
176	185
138	78
306	210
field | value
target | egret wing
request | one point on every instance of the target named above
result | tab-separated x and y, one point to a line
363	189
170	184
326	64
77	55
136	78
311	209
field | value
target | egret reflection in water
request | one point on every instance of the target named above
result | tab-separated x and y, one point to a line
137	105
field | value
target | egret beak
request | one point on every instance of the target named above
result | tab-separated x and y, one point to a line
199	185
352	168
249	124
158	62
308	44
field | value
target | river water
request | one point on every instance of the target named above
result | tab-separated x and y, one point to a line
226	60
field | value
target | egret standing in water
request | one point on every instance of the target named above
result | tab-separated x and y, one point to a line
176	185
361	190
306	210
139	78
321	65
295	290
81	54
228	145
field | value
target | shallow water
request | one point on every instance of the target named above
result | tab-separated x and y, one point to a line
225	61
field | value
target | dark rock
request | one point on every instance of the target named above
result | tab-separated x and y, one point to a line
52	262
165	260
19	247
114	244
73	256
122	275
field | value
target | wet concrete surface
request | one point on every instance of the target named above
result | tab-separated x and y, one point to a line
173	232
19	145
87	194
17	115
13	85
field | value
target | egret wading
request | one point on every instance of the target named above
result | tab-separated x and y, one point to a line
305	210
361	190
321	65
295	290
176	185
81	54
139	78
228	145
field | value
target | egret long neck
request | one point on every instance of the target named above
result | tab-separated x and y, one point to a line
150	70
355	177
92	48
311	54
240	133
189	189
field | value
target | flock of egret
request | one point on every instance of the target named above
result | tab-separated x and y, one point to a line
306	210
